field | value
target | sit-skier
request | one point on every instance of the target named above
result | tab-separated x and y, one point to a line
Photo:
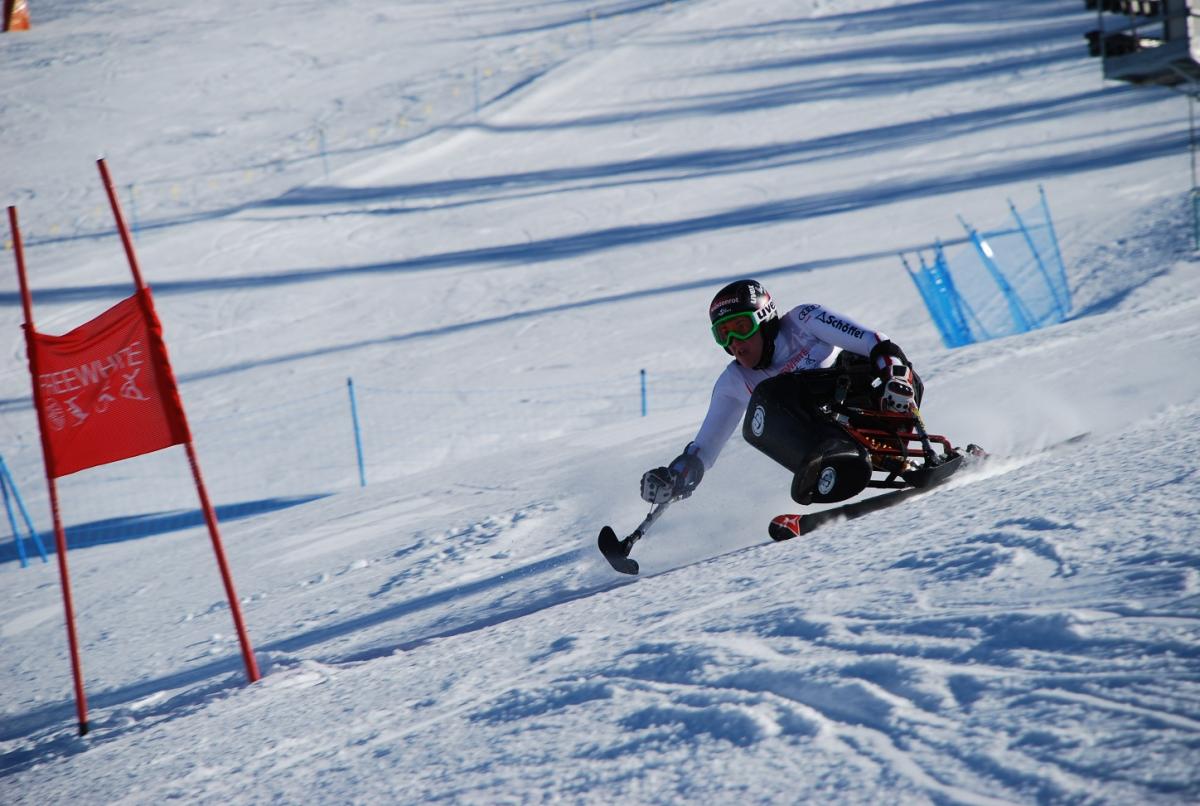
783	369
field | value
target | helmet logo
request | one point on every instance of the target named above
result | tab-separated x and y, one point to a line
827	480
758	422
721	303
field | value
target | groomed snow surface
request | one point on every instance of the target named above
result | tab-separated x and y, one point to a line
501	211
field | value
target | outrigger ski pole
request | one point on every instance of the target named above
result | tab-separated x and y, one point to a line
617	551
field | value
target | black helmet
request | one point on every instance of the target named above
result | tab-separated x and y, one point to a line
747	297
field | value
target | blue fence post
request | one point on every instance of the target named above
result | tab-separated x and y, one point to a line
973	329
1195	219
1062	267
643	393
1016	310
1037	256
959	310
931	296
1195	182
7	483
13	523
963	313
362	470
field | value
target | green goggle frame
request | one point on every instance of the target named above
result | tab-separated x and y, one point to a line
740	326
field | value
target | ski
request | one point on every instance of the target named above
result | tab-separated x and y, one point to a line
785	527
788	526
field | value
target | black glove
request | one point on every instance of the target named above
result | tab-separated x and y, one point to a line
678	480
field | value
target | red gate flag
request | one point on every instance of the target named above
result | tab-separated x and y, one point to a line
106	389
105	392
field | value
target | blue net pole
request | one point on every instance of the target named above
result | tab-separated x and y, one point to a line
1041	264
1020	317
6	479
1195	182
13	522
930	295
358	449
1196	219
958	307
1064	289
966	320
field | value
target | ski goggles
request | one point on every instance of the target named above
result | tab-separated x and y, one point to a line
740	326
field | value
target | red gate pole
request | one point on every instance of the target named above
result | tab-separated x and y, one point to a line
60	538
210	517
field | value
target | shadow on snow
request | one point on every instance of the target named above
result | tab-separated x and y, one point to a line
135	527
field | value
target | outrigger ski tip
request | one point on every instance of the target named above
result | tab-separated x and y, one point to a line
616	551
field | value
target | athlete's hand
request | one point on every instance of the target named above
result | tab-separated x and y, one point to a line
658	485
677	481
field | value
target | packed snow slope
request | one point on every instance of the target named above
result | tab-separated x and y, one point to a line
492	214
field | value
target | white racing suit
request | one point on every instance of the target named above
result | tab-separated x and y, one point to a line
810	337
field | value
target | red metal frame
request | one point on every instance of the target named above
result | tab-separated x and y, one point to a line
884	443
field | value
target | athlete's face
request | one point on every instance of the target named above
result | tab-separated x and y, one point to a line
748	352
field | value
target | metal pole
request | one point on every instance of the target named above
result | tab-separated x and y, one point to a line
1037	257
643	373
934	301
362	468
1016	310
123	230
1192	136
960	312
12	520
210	517
1195	187
60	536
1062	267
33	534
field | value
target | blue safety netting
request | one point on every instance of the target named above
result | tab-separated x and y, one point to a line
1004	281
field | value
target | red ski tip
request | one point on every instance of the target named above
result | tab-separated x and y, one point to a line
784	527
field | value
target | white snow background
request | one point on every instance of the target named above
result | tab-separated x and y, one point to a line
492	214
